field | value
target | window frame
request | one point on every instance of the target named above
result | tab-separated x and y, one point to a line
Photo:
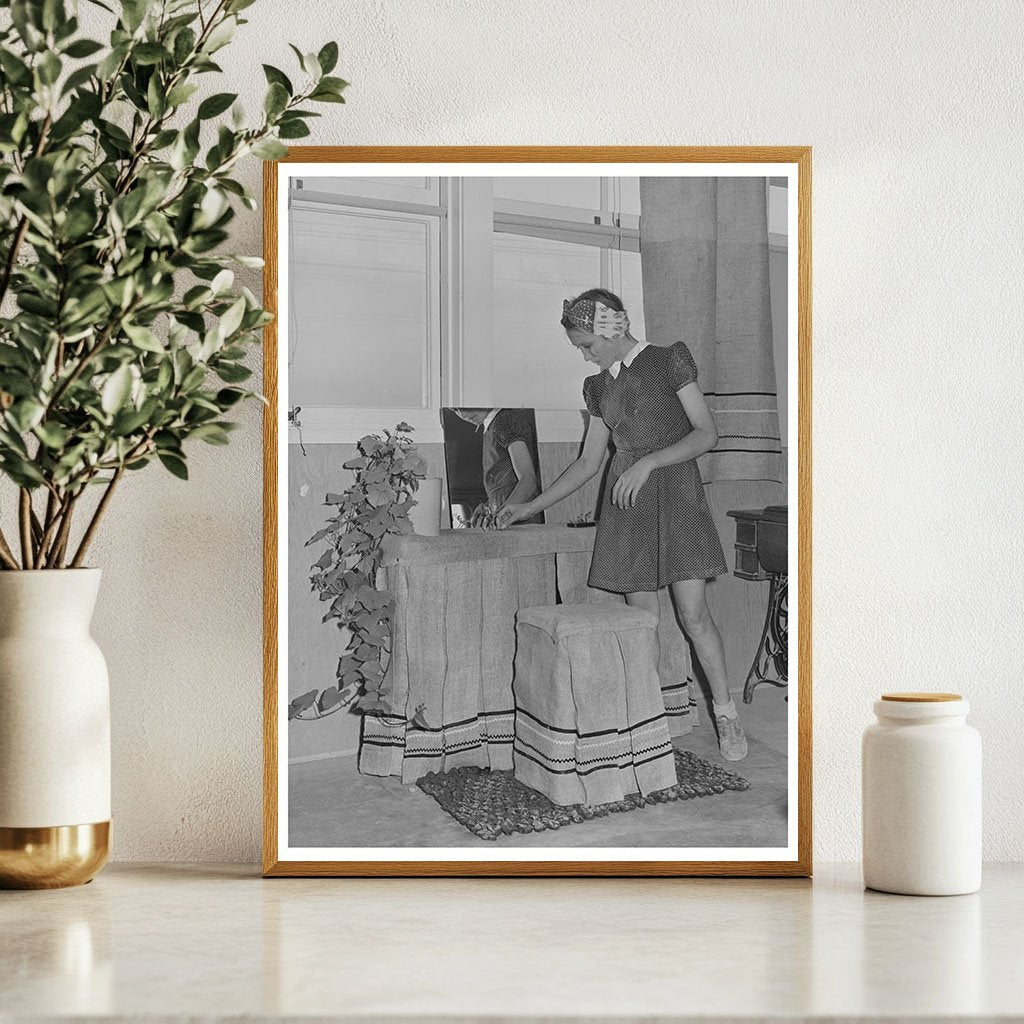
340	424
464	216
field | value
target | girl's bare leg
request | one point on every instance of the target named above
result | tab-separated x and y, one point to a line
692	605
695	617
648	601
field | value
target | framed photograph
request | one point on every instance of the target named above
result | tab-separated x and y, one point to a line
538	511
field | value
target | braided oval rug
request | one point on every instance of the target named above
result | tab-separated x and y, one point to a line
494	803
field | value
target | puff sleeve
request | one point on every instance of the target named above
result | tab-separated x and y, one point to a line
591	395
509	426
681	369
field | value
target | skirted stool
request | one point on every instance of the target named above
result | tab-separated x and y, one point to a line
590	723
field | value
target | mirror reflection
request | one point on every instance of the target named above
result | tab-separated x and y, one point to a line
491	457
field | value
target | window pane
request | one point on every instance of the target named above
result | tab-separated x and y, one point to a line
627	283
778	210
534	364
628	195
584	193
359	324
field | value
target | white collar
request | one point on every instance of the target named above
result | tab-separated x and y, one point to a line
628	358
489	417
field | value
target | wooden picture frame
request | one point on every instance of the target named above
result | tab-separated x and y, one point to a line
793	162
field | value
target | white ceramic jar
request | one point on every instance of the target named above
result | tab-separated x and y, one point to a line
921	779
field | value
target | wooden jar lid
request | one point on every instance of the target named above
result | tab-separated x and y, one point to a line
921	698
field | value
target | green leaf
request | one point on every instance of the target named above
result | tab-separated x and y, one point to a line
221	35
255	262
196	296
83	48
77	79
327	96
26	21
228	397
156	101
328	57
222	281
214	105
16	70
276	99
109	65
181	94
54	14
145	54
174	464
211	433
128	421
49	68
26	414
276	76
21	471
334	84
52	435
116	390
233	373
232	319
293	130
184	44
133	13
144	338
269	149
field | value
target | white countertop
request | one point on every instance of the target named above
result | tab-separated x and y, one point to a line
180	941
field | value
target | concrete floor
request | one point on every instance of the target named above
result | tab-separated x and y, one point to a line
332	805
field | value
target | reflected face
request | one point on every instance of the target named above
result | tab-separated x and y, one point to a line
602	352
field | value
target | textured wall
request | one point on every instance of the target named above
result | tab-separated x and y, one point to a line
913	111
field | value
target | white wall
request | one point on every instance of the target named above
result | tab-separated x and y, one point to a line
913	110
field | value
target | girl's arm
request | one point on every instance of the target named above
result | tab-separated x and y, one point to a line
595	447
702	438
522	463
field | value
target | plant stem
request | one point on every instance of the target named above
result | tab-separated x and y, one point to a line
6	554
25	522
37	530
54	508
56	556
97	516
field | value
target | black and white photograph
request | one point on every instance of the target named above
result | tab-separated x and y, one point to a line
537	515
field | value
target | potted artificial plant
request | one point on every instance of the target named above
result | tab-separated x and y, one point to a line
122	340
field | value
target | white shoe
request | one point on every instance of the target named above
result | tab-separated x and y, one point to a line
732	741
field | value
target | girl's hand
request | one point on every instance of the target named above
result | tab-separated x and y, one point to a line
509	514
629	483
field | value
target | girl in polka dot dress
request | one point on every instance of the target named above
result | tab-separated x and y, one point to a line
655	528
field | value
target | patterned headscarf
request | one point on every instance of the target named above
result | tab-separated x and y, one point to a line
595	317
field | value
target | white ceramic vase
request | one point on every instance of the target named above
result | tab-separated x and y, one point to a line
921	774
54	731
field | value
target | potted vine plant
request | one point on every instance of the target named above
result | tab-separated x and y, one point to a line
375	506
122	340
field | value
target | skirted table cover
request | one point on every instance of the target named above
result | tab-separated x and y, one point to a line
453	643
590	725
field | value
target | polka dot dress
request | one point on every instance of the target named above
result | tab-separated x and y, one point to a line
669	534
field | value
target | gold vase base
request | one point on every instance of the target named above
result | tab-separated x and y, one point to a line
53	857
